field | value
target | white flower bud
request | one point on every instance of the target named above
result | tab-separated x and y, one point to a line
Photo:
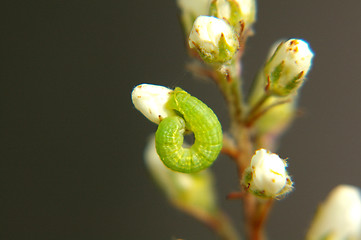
339	217
151	100
267	176
190	10
248	10
287	68
277	118
234	11
214	39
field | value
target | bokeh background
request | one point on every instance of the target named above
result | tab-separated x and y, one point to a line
71	158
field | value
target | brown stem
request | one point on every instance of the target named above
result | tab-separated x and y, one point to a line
229	82
249	201
255	211
241	149
258	225
229	147
258	105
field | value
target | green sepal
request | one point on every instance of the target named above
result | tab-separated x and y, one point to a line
208	58
213	9
236	14
274	54
247	177
276	74
294	83
226	52
277	88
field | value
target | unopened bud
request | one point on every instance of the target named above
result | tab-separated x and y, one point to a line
151	100
339	217
235	11
267	176
287	68
214	39
190	10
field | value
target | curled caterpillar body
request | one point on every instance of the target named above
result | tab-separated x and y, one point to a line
194	116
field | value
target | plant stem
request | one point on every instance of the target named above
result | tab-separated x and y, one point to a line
228	79
258	105
242	146
255	211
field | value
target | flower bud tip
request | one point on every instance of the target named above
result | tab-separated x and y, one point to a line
151	101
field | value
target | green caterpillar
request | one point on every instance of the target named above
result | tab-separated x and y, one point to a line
194	116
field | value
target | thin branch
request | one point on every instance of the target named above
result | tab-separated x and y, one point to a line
263	210
259	104
229	147
250	121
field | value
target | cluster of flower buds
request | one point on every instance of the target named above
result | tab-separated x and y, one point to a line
287	68
266	177
216	26
339	217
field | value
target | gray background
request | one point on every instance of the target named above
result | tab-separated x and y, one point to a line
71	145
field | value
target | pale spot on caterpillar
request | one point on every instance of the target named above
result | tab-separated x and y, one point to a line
192	115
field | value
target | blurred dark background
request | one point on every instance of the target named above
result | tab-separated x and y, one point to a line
71	158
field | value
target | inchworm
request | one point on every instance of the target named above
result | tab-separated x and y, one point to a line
194	116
